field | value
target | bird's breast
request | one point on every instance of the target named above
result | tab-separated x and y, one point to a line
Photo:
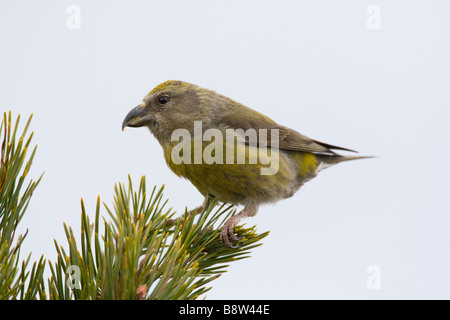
238	182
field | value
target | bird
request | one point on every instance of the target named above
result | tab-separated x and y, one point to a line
229	151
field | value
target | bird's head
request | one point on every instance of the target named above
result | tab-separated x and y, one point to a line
169	106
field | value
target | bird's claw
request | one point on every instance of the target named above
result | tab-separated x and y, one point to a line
227	232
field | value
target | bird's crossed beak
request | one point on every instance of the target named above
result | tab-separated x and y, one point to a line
137	117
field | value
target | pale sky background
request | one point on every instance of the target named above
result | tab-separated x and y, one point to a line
313	66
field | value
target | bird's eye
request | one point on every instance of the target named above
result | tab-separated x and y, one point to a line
163	99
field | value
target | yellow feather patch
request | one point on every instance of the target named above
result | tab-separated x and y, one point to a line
308	164
163	85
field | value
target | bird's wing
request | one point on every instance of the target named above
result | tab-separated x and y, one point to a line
292	140
288	139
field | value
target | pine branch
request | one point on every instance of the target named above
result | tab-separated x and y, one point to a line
142	256
14	201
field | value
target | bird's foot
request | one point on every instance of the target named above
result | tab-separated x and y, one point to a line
227	230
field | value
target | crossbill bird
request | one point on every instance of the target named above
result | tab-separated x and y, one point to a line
229	151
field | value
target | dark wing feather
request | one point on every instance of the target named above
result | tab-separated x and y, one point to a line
292	140
288	139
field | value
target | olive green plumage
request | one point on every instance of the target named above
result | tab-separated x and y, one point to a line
175	105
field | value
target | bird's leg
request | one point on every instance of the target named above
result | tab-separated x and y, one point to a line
190	213
227	231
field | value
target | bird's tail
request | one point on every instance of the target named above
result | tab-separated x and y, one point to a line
326	161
